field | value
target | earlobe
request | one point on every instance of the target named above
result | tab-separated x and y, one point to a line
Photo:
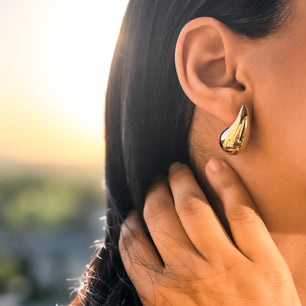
206	63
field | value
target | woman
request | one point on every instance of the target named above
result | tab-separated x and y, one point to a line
219	228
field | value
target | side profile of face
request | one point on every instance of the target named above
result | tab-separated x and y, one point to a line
219	71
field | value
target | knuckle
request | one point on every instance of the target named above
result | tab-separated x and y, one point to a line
128	232
180	170
154	208
243	214
125	233
190	205
276	277
124	238
127	243
228	182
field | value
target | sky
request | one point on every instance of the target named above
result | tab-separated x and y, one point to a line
55	57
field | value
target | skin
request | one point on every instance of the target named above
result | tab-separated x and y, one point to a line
195	249
219	71
273	165
235	236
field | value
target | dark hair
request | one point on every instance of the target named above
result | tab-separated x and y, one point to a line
148	116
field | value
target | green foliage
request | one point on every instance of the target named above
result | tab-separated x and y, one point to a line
45	207
46	203
50	211
8	270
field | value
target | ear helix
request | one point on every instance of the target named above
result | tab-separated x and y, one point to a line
234	139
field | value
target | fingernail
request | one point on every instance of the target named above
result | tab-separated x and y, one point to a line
174	166
215	165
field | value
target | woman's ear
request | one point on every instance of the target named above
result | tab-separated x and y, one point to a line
206	58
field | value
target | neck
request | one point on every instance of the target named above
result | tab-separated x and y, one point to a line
277	188
282	206
279	196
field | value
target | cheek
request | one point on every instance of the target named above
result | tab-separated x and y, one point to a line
280	106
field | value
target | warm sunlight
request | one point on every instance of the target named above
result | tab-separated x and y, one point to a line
54	60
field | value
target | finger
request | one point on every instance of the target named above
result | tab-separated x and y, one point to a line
249	231
199	220
165	226
138	255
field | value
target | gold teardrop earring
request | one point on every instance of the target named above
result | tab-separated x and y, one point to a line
234	139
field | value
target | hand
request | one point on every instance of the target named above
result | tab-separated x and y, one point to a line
195	262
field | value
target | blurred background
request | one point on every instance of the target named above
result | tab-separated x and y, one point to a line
55	57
